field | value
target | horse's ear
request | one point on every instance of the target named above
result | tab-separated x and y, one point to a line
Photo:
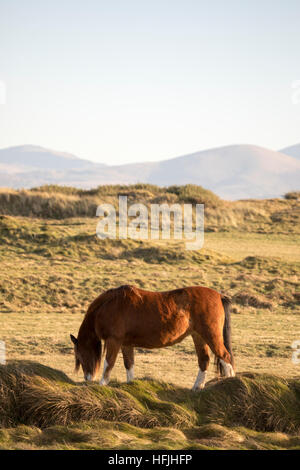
73	339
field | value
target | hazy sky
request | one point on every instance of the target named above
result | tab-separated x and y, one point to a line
123	81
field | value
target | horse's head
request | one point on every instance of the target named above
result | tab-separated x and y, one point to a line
87	355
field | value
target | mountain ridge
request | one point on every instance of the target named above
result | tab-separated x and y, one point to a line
237	171
292	151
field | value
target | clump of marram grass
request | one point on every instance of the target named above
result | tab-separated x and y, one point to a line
257	401
54	206
14	381
252	300
293	195
46	398
52	201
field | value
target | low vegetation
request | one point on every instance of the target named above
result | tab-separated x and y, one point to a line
42	407
61	202
293	195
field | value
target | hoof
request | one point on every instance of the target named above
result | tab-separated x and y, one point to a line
197	389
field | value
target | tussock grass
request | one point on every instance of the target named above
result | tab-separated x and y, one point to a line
48	397
60	202
257	401
252	300
293	195
35	204
39	396
42	408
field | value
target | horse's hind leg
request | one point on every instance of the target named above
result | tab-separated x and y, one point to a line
217	346
112	349
203	361
128	358
227	369
212	334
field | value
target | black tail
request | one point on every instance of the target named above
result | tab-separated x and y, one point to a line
226	301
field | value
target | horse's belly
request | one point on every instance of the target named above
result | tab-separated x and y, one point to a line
173	339
165	334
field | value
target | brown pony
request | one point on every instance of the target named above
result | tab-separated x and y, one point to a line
128	317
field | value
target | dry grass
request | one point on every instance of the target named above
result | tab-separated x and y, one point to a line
293	195
41	407
62	202
59	202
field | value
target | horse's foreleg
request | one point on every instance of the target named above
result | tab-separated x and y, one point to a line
203	361
112	349
128	358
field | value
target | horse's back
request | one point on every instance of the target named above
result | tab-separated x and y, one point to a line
154	319
134	299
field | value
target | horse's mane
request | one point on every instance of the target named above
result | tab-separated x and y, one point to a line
119	293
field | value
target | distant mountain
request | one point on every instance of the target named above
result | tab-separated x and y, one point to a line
29	165
293	151
233	172
29	157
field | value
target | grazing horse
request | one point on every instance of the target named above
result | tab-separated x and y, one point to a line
128	317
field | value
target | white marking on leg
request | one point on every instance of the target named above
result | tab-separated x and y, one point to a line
88	377
232	373
200	380
104	380
130	374
228	369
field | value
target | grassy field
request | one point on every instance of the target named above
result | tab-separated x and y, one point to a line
53	266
